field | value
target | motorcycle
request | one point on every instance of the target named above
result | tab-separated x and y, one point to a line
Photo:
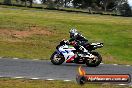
84	55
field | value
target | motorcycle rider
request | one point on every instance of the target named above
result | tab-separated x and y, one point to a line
81	41
78	42
75	36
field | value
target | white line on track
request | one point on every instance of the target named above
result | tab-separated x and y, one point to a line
122	84
50	79
128	65
18	77
15	58
35	59
67	80
34	78
115	64
1	76
101	63
130	85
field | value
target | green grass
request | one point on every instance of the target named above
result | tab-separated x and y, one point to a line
115	32
24	83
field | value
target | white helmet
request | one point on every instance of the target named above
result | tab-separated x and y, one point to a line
73	32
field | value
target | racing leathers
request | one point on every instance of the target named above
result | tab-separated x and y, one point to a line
80	40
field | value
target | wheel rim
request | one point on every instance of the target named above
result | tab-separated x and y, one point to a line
94	60
56	58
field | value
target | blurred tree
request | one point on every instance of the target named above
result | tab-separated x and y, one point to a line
25	1
50	4
83	3
7	2
106	3
66	2
122	7
125	10
55	4
44	1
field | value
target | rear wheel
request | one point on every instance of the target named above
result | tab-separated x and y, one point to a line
95	61
57	59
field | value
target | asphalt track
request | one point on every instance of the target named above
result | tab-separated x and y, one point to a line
42	69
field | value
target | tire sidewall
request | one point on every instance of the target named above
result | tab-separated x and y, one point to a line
97	63
60	61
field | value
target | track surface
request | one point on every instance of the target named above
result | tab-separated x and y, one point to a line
46	70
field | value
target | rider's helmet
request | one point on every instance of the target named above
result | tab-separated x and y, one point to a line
73	32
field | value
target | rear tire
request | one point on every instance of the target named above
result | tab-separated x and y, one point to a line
57	59
97	62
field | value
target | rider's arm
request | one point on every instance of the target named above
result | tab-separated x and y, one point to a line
81	38
71	39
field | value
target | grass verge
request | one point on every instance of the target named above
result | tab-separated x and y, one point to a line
17	39
24	83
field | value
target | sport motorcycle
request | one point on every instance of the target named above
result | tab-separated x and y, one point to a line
84	55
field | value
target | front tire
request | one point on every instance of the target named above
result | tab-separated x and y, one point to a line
57	59
98	60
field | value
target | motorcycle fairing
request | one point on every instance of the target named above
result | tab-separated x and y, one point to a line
67	52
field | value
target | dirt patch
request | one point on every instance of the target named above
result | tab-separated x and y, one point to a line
109	58
113	60
27	33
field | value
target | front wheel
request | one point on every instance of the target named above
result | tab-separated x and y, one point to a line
95	61
57	59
